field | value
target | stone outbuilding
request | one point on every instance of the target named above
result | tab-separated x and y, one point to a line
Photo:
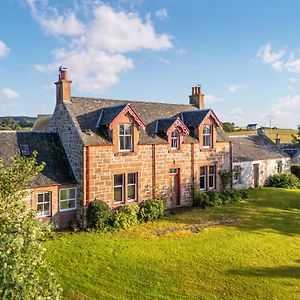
255	159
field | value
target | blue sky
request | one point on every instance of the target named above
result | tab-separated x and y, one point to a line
245	54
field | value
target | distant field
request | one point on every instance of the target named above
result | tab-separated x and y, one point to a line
285	134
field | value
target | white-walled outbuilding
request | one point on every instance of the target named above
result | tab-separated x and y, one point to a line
254	159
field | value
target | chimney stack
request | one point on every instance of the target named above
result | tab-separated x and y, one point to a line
277	140
197	98
63	86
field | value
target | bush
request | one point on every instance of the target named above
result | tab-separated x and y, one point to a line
201	199
98	215
285	180
151	209
125	216
295	169
225	177
214	198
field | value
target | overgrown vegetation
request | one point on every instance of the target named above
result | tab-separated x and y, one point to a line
24	274
295	169
13	124
285	180
213	198
101	217
225	177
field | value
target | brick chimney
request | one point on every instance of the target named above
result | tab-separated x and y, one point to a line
63	86
277	140
197	98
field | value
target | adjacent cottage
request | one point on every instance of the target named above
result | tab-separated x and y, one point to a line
52	192
255	159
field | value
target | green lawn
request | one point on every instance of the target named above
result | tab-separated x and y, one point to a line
190	255
285	134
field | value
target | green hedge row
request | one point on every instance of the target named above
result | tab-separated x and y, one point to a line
101	217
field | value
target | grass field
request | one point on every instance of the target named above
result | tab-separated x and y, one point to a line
247	250
285	134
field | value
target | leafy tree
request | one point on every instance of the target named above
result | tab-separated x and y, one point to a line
228	127
24	274
296	137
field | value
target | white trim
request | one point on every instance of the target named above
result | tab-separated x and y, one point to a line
214	175
125	135
71	199
135	187
120	186
205	178
44	202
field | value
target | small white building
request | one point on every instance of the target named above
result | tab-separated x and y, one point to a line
254	159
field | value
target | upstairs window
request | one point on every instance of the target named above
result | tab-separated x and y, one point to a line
24	149
175	140
207	136
125	137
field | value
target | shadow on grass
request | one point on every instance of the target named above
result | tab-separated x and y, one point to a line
278	272
267	209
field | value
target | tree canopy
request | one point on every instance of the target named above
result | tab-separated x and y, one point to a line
24	274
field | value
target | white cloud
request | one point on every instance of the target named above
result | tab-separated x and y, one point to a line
236	111
3	49
236	87
287	103
212	99
164	61
8	93
180	51
162	14
95	54
278	60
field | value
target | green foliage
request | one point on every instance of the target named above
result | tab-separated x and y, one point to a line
295	169
214	198
125	216
24	274
151	210
201	199
228	127
285	180
98	215
296	137
225	177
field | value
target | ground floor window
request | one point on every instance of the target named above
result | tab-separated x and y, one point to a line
67	199
237	174
279	167
44	204
125	187
207	178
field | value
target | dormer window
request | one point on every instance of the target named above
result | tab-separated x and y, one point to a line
125	137
175	140
207	136
24	149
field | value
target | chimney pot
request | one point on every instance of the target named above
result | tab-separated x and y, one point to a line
63	86
197	98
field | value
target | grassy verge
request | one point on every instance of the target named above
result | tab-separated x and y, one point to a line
247	250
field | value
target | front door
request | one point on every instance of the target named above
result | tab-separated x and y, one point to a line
256	175
174	188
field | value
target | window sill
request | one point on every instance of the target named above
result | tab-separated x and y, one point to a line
207	149
125	153
68	210
175	151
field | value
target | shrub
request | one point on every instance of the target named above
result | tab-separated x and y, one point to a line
151	209
285	180
201	199
225	178
98	215
214	198
295	169
125	216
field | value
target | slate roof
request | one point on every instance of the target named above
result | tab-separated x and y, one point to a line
50	151
290	149
41	123
86	112
254	147
108	114
193	117
162	125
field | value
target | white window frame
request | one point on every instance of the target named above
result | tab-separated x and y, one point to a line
175	140
124	136
205	178
279	167
123	189
207	136
132	184
41	215
67	209
24	149
237	174
214	177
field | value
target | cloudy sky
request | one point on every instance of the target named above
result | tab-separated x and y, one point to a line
245	54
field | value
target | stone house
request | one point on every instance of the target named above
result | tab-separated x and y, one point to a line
255	159
52	192
123	151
